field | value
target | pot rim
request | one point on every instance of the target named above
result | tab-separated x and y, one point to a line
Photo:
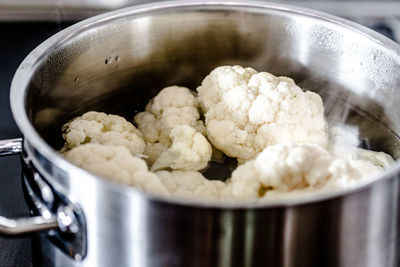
26	69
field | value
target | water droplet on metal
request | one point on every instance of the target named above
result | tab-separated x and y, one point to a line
108	60
78	257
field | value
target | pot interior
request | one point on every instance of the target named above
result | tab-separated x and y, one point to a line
117	64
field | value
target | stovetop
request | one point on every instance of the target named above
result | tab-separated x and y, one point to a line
17	40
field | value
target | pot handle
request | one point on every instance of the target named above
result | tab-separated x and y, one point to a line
27	224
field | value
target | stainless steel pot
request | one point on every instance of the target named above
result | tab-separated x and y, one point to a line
115	62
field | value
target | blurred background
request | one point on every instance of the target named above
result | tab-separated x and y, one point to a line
72	10
26	23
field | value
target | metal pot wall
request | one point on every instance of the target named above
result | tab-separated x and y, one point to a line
115	62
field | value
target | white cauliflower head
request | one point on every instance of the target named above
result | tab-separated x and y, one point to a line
116	163
247	111
100	128
193	184
190	151
172	106
291	167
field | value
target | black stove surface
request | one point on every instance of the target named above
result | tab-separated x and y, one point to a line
17	40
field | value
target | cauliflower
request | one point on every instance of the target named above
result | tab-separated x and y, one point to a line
247	111
193	184
172	106
190	150
116	163
344	142
366	161
286	168
100	128
275	129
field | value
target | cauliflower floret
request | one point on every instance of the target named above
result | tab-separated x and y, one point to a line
172	106
153	152
368	162
100	128
190	151
344	140
116	163
194	185
291	168
247	111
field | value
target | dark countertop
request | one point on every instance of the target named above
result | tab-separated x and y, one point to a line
18	39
